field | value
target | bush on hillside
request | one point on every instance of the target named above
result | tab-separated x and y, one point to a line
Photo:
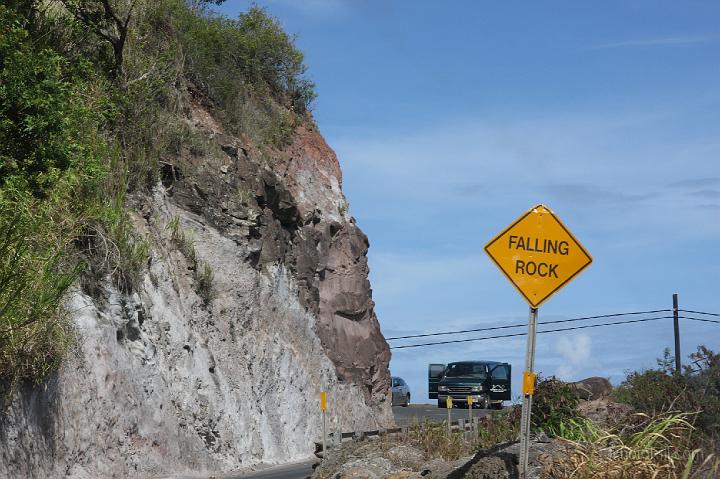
555	406
249	55
49	168
697	390
47	120
662	446
77	133
248	69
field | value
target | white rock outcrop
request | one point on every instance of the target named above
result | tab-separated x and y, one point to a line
161	381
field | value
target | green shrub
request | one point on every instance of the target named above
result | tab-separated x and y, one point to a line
77	133
204	276
226	56
47	120
654	391
697	390
434	440
247	69
554	405
50	168
33	279
500	427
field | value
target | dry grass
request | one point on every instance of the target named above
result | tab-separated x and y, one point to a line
661	448
498	428
434	440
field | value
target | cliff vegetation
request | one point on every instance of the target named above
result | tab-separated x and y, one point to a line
94	98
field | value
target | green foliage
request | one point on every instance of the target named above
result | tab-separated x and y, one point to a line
92	101
653	391
183	240
47	113
33	279
696	390
578	429
554	404
661	447
224	56
204	276
248	69
109	21
434	440
500	427
115	248
50	165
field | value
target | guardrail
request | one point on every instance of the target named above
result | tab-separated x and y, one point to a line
335	439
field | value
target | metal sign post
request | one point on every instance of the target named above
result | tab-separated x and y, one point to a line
528	391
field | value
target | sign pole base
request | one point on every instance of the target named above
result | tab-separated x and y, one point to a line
325	451
528	391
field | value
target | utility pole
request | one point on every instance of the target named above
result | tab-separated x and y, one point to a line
676	325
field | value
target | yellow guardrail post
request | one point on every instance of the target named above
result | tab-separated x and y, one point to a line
470	402
323	407
448	406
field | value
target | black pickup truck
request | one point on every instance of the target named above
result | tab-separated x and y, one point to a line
488	382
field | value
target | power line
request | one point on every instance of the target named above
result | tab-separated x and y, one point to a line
524	334
698	312
700	319
494	328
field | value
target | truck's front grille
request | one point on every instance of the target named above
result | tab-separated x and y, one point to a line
459	389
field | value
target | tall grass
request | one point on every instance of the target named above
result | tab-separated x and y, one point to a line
202	271
659	449
435	440
50	168
497	428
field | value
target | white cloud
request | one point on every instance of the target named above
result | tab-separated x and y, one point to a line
575	352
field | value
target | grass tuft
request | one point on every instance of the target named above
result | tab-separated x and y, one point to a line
660	448
202	271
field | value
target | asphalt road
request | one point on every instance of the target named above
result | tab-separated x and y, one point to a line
293	471
298	470
406	416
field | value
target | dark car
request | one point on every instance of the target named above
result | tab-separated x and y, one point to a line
488	382
400	392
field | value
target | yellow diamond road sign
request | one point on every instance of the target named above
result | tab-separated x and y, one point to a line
538	254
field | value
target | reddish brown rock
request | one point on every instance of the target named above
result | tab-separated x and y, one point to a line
348	327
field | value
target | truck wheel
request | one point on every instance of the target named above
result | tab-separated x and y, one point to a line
407	400
441	404
484	402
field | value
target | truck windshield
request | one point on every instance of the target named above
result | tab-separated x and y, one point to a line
456	370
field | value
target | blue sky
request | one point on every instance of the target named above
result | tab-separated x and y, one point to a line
450	119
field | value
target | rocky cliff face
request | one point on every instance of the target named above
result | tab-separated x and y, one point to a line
171	378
